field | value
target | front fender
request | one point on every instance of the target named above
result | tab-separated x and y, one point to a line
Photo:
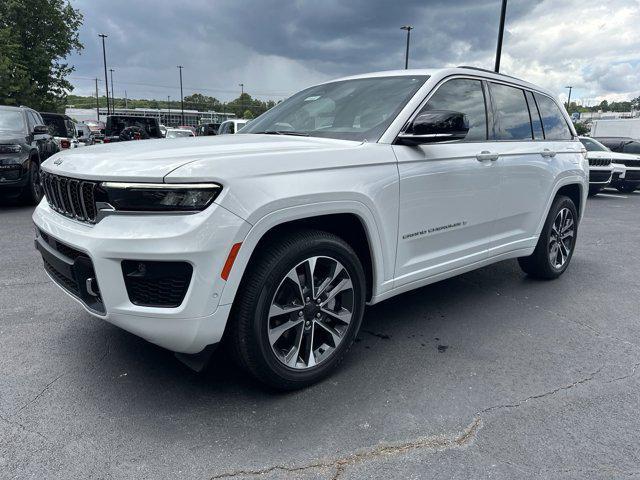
298	212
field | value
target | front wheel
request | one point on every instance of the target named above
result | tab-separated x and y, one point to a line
556	243
32	191
298	309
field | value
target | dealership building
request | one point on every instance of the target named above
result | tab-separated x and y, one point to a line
166	116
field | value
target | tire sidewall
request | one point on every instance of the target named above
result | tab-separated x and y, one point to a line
324	247
559	204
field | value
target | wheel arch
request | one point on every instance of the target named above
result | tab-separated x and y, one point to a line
352	221
573	187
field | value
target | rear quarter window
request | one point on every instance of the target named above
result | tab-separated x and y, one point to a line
512	121
553	121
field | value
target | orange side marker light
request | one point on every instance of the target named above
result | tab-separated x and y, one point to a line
226	270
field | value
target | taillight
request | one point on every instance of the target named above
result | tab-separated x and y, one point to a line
64	143
106	140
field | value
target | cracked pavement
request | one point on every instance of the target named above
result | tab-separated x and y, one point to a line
487	375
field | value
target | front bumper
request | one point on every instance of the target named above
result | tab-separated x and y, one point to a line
13	172
203	240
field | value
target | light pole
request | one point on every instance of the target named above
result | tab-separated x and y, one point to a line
570	87
241	85
104	59
97	103
113	92
503	13
180	67
408	28
169	110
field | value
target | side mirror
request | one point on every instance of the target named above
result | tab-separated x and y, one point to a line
435	126
40	130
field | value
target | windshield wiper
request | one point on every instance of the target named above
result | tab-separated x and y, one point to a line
284	132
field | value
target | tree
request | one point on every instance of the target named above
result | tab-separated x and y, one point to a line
247	114
36	36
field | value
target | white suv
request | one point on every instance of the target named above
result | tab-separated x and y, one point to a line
346	194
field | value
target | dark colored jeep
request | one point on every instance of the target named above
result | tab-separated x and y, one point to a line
207	129
25	142
121	128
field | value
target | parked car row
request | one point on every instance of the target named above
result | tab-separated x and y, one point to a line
611	165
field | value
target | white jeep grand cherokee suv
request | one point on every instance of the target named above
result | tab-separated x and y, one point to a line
346	194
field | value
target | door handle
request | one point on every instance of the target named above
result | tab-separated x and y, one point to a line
548	153
486	155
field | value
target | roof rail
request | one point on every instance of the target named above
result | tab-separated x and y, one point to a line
486	70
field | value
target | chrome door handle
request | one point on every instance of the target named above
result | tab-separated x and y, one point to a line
486	155
548	153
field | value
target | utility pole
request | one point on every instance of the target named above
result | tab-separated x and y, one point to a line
408	28
97	103
241	85
180	67
126	102
569	99
113	92
503	13
169	110
104	59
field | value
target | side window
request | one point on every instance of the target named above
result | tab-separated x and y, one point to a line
554	123
464	96
31	122
232	128
511	113
536	123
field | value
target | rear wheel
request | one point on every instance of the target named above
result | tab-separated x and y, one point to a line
298	309
556	243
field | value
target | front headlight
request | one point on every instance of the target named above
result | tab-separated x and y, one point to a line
157	197
10	148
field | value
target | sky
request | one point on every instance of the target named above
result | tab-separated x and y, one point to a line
277	47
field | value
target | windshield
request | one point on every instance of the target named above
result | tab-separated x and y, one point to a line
593	146
11	121
359	109
178	133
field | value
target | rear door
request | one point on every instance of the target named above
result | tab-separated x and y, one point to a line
533	142
448	190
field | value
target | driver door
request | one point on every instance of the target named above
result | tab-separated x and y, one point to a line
449	191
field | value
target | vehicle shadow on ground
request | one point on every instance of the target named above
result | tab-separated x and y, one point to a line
411	320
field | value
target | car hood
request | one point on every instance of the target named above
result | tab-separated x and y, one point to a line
612	155
11	138
152	160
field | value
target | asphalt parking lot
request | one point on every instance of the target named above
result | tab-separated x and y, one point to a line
487	375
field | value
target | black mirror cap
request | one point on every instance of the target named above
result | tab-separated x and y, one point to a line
436	126
40	130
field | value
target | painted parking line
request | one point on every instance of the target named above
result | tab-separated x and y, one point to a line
611	195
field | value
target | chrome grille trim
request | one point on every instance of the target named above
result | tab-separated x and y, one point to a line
71	197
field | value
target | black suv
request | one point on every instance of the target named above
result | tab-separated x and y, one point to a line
121	128
620	144
25	142
207	129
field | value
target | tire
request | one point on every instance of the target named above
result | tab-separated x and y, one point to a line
539	264
32	192
256	337
625	188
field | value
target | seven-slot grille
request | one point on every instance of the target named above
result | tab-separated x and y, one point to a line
71	197
599	162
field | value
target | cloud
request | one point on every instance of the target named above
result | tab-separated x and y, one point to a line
276	47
